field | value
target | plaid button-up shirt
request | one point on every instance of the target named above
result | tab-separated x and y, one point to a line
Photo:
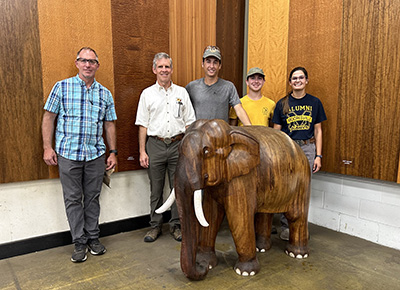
81	112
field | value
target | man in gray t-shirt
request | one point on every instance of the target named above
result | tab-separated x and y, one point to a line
212	96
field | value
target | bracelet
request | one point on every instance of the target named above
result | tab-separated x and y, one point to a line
320	156
115	151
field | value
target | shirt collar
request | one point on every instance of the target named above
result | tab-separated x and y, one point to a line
159	88
83	84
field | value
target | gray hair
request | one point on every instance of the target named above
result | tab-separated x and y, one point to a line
159	56
87	48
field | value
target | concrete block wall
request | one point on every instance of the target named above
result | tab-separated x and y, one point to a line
365	208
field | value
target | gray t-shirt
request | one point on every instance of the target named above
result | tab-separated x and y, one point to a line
212	102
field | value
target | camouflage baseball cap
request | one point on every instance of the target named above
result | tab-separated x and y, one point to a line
212	51
255	70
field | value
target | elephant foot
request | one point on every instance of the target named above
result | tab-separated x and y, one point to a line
249	268
262	244
207	258
296	252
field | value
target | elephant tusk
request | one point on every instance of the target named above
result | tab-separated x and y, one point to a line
198	208
167	204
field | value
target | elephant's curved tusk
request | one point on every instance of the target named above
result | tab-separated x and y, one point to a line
167	204
198	208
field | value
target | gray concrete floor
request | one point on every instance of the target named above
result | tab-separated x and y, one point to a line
336	261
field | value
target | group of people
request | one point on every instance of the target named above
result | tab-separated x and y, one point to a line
79	109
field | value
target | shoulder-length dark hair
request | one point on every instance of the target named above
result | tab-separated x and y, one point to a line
285	100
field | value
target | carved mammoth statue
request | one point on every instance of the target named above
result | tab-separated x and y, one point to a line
248	174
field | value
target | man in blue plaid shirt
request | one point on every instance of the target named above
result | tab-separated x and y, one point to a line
83	108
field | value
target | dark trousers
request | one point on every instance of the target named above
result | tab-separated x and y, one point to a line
81	182
163	158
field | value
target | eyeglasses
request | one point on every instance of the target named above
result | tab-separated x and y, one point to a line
300	78
90	61
212	48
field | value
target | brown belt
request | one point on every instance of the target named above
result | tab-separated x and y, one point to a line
305	142
167	140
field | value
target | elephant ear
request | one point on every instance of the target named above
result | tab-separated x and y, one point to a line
245	154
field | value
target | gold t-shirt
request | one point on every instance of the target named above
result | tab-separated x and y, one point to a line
259	112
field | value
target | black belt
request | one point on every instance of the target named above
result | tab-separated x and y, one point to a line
305	142
167	140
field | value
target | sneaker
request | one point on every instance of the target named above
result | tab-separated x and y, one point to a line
175	231
79	254
152	235
284	235
96	248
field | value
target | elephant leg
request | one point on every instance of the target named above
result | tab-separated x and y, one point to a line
214	214
298	237
263	224
243	233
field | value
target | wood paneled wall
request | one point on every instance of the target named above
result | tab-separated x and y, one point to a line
230	39
351	50
125	36
192	26
368	134
21	93
268	29
139	32
65	27
196	24
314	43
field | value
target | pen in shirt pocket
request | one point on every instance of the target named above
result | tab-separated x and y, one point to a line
179	102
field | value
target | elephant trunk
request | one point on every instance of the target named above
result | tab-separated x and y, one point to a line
190	229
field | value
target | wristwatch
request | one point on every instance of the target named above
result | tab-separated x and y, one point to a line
115	151
320	156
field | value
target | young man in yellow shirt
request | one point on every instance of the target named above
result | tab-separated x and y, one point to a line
258	107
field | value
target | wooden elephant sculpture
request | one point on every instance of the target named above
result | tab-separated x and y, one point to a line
248	174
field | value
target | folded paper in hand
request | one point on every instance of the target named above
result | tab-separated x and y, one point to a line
106	177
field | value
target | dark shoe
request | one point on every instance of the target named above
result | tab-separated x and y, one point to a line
175	231
284	235
152	235
96	248
273	230
79	254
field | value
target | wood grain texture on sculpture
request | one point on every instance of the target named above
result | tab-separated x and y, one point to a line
247	174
